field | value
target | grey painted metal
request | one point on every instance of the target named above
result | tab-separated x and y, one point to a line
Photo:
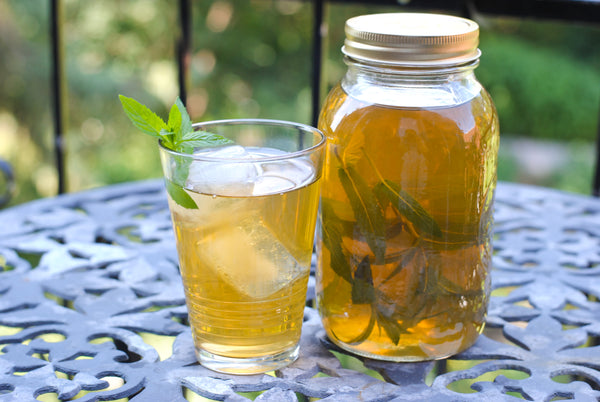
101	265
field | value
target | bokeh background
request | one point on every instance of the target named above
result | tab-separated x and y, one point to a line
251	58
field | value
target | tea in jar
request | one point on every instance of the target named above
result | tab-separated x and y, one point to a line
405	226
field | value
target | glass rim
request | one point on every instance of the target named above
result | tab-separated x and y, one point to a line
266	122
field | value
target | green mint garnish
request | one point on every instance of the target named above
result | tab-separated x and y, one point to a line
176	134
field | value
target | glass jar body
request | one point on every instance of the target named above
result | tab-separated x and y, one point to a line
405	226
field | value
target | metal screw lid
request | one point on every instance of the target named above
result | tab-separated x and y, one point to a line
412	39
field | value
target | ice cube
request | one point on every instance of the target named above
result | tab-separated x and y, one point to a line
283	176
247	179
268	184
260	265
230	179
260	152
212	212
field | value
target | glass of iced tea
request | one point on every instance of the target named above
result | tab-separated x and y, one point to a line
244	218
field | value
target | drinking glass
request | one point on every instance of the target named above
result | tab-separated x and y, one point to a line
244	218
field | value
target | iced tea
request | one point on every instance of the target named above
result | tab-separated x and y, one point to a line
405	226
245	255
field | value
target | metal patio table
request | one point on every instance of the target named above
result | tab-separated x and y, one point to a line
89	282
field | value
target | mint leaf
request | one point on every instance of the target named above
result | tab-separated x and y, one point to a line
186	122
179	195
391	327
451	288
366	210
182	167
354	149
178	135
363	291
409	207
167	137
203	139
174	119
407	257
142	117
332	238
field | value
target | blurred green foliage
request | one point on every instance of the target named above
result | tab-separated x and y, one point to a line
544	87
251	58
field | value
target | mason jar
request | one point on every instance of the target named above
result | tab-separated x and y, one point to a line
405	226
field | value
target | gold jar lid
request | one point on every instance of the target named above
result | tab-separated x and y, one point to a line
412	39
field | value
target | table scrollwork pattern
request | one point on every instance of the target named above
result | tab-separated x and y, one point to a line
90	286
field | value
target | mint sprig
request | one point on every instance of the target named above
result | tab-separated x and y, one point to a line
176	134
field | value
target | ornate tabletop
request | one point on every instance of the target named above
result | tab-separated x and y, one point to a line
92	308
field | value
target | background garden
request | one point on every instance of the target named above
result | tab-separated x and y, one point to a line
251	58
